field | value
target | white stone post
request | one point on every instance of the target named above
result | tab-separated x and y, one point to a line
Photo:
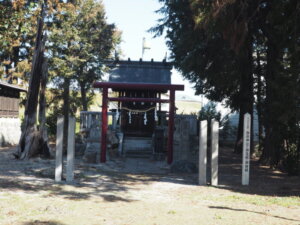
120	148
89	123
246	149
71	149
214	152
202	152
59	149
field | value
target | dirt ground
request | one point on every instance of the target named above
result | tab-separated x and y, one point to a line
144	192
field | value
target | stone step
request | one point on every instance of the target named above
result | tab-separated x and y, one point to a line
138	154
137	143
137	147
138	140
148	151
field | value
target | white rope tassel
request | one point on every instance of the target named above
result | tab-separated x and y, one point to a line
117	115
145	118
155	115
129	114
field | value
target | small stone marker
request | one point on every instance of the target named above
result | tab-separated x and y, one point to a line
214	152
202	152
59	149
246	149
71	147
120	136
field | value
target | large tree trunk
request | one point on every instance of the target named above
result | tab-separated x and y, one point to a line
83	97
42	111
31	141
259	100
271	151
246	95
239	139
66	109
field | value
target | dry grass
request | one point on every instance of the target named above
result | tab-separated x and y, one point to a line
28	196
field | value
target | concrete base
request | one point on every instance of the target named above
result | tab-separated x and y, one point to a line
10	131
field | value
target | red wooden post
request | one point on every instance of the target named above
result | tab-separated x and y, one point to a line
104	125
171	126
159	96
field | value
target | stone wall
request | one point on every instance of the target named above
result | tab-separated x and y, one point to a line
185	138
90	126
10	131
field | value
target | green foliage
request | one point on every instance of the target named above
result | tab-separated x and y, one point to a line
290	160
233	49
209	112
51	121
79	42
17	29
200	54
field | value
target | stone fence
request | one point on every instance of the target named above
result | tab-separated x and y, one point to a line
186	142
90	127
185	135
10	131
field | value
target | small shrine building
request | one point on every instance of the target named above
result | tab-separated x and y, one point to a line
138	87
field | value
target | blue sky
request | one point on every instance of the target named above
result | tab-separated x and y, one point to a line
134	18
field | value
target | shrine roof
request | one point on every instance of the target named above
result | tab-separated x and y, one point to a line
146	72
12	86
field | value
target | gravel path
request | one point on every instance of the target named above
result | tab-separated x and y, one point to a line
135	191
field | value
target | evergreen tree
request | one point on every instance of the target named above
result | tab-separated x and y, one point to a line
243	51
80	40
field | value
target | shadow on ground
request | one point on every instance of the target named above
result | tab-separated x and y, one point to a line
251	211
263	180
38	222
38	176
112	186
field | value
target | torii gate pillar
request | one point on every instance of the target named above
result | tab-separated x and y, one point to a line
171	126
104	125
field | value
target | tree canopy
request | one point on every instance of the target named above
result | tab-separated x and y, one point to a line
246	53
74	39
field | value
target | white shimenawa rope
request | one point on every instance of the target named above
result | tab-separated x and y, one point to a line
130	111
129	114
145	118
117	115
138	110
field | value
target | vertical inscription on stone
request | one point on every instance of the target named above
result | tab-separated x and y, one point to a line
71	148
214	152
202	152
246	149
59	149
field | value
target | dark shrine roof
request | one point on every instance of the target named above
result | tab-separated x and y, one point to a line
146	72
12	86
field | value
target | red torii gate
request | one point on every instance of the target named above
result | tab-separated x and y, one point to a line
138	86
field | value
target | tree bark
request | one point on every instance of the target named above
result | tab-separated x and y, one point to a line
66	109
271	151
259	101
246	94
83	97
239	139
42	111
31	142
